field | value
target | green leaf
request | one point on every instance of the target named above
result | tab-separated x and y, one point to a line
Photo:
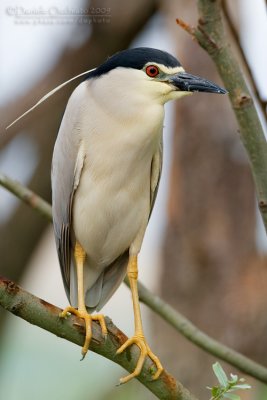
231	396
227	385
220	374
241	386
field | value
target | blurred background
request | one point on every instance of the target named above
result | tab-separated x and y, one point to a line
205	247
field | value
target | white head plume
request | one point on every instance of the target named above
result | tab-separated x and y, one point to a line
47	95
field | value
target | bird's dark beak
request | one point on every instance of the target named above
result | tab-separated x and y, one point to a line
191	83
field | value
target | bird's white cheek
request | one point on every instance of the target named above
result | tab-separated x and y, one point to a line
175	94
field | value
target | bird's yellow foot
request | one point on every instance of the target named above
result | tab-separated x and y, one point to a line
88	318
140	341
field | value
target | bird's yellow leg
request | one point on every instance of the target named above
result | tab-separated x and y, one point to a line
79	255
138	338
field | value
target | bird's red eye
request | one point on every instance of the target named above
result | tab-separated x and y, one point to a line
152	70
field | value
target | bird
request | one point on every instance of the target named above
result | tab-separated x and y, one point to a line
106	168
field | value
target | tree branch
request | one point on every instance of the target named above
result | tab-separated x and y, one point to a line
46	316
211	36
26	195
169	314
262	103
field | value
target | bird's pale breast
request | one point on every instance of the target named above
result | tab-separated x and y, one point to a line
112	201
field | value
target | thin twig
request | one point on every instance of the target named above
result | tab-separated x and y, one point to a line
26	195
188	28
169	314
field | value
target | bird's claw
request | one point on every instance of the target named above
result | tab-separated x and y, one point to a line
88	318
140	341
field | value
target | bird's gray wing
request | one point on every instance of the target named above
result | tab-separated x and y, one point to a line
110	280
156	167
67	164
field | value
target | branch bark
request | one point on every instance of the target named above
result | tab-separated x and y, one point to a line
46	316
26	195
211	35
262	103
168	313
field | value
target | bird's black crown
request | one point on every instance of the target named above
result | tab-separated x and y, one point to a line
135	58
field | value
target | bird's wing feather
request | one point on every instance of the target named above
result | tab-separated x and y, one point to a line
111	278
67	164
156	167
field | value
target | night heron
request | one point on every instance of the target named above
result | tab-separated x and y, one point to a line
105	175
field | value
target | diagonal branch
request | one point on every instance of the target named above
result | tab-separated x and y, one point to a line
210	34
212	37
46	316
26	195
234	32
169	314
